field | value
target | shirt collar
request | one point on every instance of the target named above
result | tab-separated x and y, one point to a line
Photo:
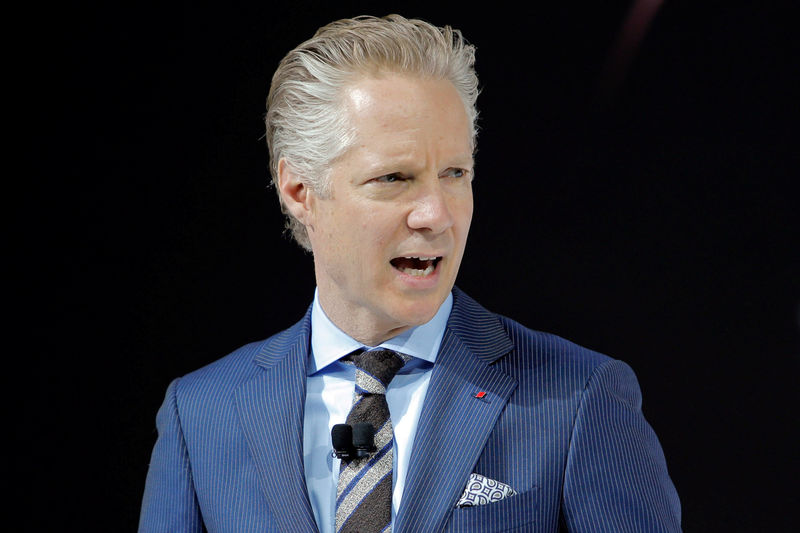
329	343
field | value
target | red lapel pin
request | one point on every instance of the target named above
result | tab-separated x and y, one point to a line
480	395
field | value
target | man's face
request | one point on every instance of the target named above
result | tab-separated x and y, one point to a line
389	238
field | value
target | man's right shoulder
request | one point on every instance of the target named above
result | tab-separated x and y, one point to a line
239	366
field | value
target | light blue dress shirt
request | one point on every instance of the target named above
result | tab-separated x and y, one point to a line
329	396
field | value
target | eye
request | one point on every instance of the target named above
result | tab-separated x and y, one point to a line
455	173
390	178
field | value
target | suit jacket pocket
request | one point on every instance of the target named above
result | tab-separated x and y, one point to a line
508	514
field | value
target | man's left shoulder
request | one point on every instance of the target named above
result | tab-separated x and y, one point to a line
544	361
546	354
531	351
549	346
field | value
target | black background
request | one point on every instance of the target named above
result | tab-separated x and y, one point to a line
655	221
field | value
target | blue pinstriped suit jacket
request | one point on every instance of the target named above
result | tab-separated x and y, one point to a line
559	423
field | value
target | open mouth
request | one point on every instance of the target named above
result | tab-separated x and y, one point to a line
416	266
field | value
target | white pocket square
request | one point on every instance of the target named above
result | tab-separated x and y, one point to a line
481	490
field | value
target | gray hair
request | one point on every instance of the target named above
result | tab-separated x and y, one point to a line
306	122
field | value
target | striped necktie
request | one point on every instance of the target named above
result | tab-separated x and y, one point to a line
364	491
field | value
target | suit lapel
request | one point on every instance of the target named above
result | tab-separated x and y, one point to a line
271	410
454	425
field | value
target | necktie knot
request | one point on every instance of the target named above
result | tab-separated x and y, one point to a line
376	369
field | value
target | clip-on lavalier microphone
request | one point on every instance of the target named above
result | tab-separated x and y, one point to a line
353	442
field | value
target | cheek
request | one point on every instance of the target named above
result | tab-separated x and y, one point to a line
376	230
463	213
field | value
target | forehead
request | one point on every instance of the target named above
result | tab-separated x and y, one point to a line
403	116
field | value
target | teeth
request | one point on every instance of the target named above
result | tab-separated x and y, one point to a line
421	258
418	272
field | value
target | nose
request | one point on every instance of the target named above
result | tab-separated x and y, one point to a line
431	209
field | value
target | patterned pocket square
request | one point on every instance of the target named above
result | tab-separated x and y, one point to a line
481	490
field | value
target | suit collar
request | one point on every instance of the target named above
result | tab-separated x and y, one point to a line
480	331
271	411
454	425
276	348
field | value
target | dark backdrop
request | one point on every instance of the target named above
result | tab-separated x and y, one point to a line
654	220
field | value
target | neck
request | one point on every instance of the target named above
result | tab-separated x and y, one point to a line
360	324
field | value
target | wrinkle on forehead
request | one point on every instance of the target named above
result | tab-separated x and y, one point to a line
392	120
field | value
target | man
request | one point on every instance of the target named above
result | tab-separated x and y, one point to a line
487	425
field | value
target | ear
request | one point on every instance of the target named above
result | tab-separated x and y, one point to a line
295	194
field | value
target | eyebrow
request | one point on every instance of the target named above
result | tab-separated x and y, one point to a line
391	164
